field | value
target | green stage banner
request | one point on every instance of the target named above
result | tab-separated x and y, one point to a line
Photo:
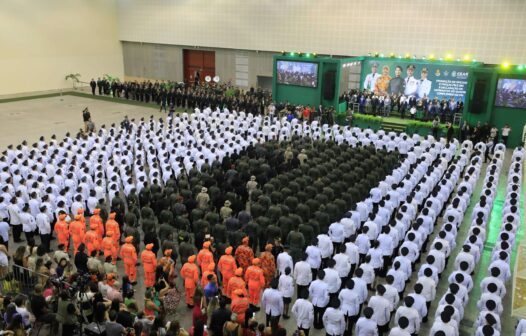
398	77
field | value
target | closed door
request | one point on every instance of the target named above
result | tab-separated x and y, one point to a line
200	62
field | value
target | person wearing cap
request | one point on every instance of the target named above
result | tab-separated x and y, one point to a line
109	248
370	80
205	257
149	263
226	211
256	282
236	282
190	275
268	264
203	199
411	83
77	231
96	221
251	185
112	225
424	85
244	254
226	266
205	274
129	256
62	230
92	240
239	305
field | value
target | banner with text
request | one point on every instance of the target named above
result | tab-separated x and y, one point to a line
396	77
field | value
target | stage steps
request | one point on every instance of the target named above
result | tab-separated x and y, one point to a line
390	126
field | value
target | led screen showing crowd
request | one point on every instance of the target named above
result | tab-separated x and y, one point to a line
298	73
511	93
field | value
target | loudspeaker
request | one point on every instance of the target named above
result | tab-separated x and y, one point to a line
329	84
479	96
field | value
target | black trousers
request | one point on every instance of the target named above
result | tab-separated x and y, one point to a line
318	317
45	239
29	236
272	321
17	232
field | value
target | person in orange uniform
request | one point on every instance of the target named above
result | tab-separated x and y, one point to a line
205	257
109	247
62	230
97	222
80	212
112	225
244	254
268	264
129	256
256	282
149	263
239	305
227	266
77	231
204	277
190	275
236	282
91	239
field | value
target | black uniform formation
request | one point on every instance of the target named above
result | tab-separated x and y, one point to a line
180	95
295	202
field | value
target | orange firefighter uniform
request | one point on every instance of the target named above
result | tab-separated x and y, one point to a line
149	262
256	281
109	247
190	274
204	277
77	231
244	254
227	266
129	256
96	221
92	240
268	264
236	282
62	230
205	257
112	225
239	305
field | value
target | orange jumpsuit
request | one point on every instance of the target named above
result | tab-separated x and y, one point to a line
244	255
190	274
236	282
77	231
239	305
149	262
96	221
227	267
112	225
80	212
129	256
62	230
91	239
204	277
256	282
205	257
109	248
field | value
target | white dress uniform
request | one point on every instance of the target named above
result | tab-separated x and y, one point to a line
319	293
382	309
343	264
350	301
303	312
333	280
412	315
272	302
314	256
302	273
286	286
283	261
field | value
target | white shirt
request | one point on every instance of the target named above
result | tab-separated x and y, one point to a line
334	322
366	327
350	301
4	231
286	286
43	223
302	273
412	315
332	279
272	302
28	222
314	258
325	245
336	232
303	312
283	261
382	309
319	293
424	88
343	264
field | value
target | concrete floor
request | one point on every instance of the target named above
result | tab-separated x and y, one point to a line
30	119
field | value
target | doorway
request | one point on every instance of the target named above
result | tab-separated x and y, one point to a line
198	61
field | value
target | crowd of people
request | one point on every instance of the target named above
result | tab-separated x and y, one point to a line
424	108
236	212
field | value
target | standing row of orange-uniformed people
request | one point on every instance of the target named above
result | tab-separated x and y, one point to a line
235	278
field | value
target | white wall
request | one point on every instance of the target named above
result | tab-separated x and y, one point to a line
490	30
41	41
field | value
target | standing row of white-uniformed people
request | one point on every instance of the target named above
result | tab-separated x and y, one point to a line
365	274
492	287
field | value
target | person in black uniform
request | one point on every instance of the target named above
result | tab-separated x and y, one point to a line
99	85
93	85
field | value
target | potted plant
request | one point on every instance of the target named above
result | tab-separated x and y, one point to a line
74	78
